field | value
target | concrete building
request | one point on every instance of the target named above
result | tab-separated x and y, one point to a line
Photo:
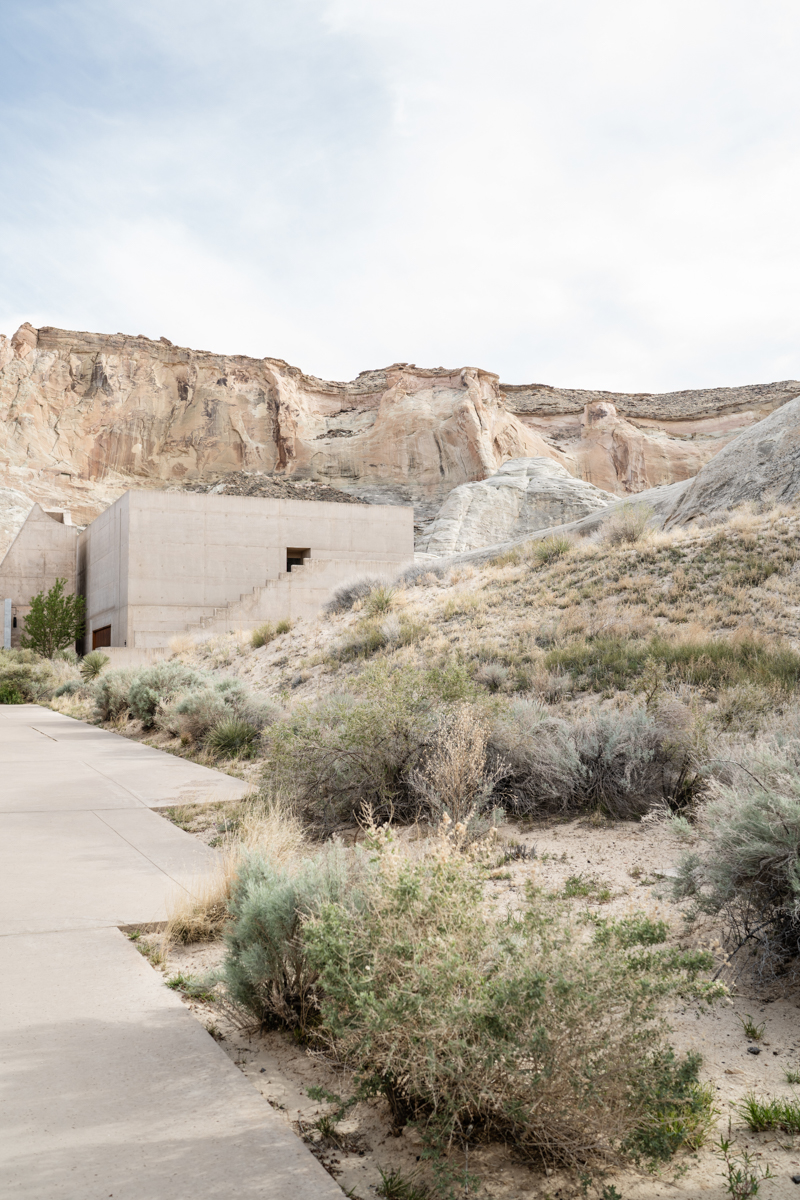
158	564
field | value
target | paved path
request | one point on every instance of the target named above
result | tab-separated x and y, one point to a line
108	1086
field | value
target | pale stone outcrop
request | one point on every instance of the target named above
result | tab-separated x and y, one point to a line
762	464
524	495
85	416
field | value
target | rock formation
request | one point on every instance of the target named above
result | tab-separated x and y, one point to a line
86	416
524	495
761	464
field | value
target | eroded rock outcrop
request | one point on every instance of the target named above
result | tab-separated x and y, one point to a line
524	495
762	464
86	416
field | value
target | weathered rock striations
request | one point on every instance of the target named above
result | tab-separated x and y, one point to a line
524	495
761	465
86	416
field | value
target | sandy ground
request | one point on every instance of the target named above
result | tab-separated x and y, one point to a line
630	859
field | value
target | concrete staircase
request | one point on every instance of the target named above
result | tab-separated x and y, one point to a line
295	595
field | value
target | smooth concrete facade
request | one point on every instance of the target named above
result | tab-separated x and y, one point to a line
43	551
158	564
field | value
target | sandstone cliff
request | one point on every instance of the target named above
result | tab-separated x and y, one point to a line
86	416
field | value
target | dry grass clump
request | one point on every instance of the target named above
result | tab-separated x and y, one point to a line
344	597
627	524
267	827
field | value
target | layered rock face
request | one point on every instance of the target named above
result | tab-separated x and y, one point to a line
86	416
762	464
526	494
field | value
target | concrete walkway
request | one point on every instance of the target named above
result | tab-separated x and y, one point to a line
108	1086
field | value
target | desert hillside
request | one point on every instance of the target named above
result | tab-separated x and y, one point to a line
597	735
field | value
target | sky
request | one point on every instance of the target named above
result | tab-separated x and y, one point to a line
587	193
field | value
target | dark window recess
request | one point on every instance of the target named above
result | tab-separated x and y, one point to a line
14	622
101	637
296	557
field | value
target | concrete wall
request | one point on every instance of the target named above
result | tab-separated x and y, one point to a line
103	556
157	562
43	551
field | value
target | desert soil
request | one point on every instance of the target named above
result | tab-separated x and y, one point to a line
633	860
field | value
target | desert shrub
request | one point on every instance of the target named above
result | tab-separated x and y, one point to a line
620	761
262	825
25	674
627	524
111	694
453	777
604	662
748	865
10	694
679	1110
372	635
513	1027
263	635
196	712
156	685
551	548
92	664
351	752
283	626
493	676
231	737
266	967
69	688
192	715
380	601
345	596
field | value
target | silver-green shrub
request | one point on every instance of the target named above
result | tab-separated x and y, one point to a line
266	968
748	865
624	762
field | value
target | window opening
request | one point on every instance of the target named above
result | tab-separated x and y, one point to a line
296	557
101	637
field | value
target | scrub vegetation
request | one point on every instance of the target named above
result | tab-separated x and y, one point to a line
400	747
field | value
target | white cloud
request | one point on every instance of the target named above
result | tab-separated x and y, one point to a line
595	195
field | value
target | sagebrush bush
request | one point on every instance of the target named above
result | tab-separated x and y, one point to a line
350	753
514	1027
179	699
748	865
25	674
266	966
623	762
153	686
111	693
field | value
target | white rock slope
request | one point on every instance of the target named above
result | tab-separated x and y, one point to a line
524	495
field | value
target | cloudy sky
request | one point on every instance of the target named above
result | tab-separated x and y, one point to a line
598	193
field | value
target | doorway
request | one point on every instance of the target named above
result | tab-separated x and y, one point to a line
101	637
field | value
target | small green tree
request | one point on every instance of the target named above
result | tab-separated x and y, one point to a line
54	622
